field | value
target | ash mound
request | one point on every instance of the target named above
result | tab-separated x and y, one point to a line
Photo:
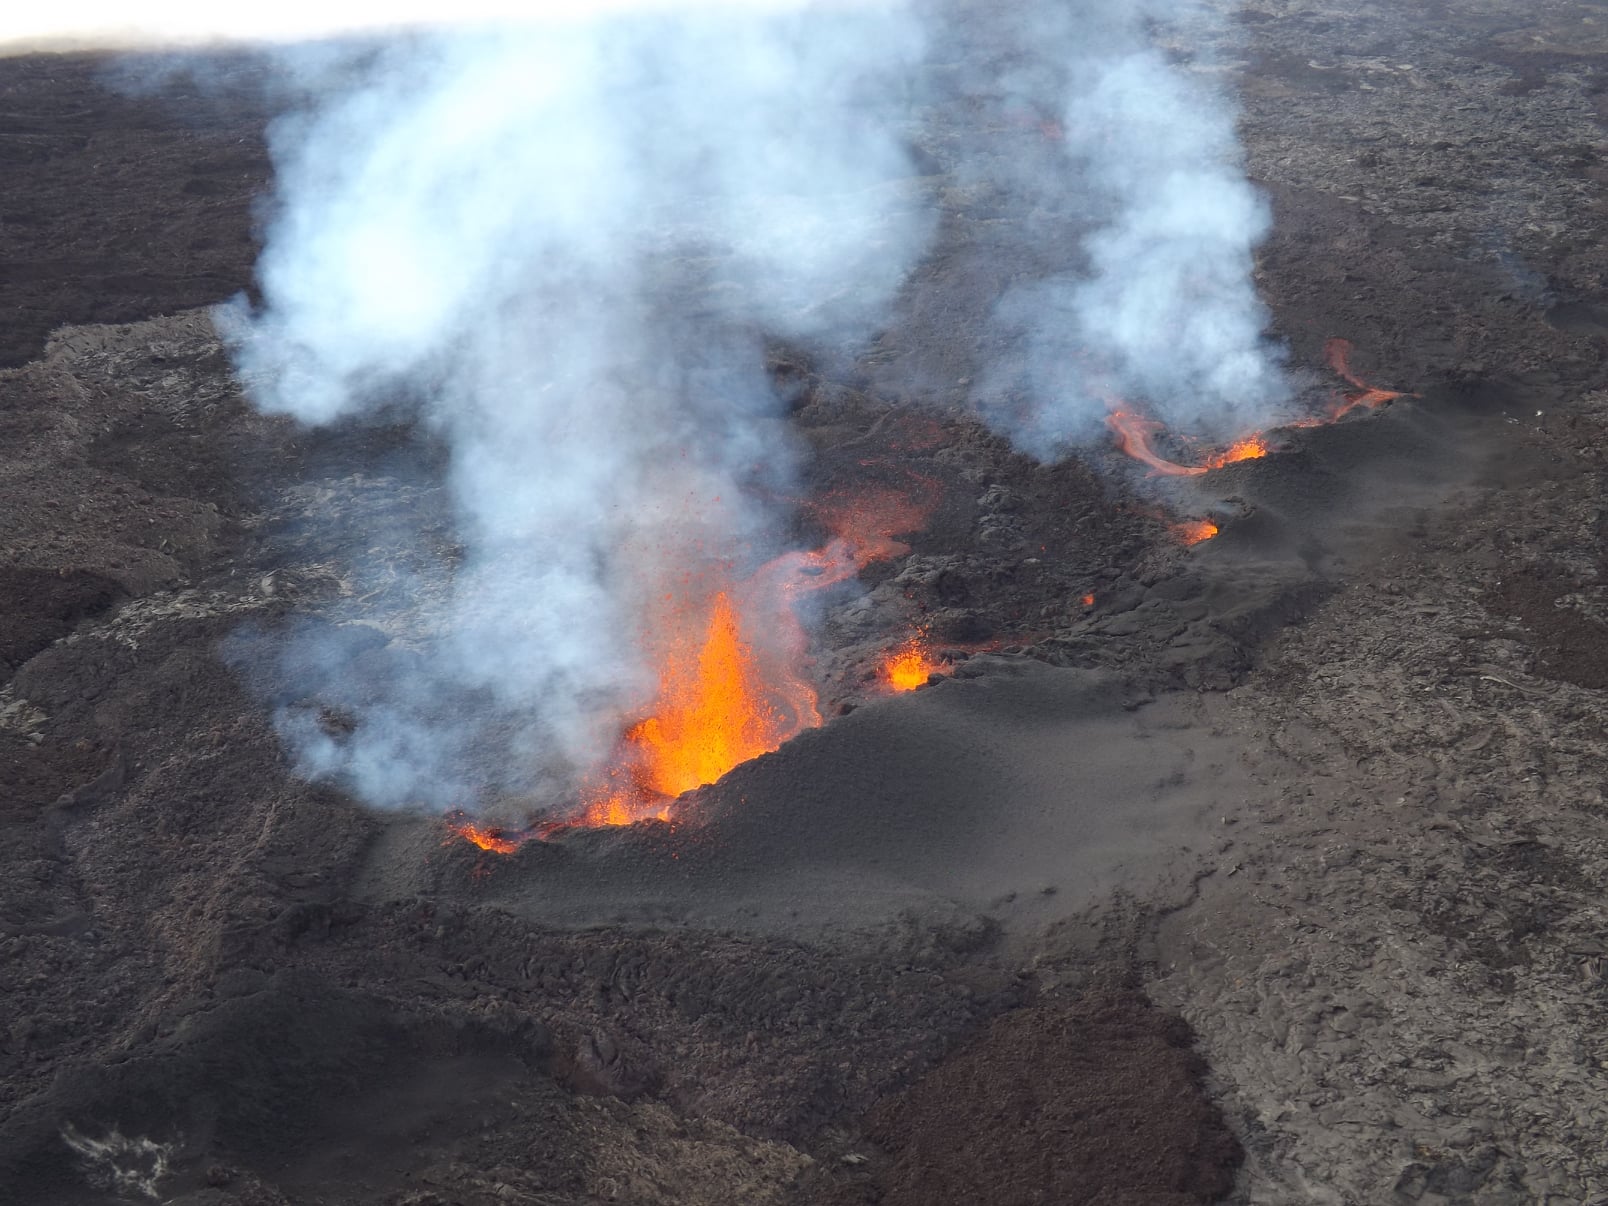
1017	789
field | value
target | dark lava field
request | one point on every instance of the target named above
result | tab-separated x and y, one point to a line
1264	869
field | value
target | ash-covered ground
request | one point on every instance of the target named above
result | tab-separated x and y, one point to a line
1272	874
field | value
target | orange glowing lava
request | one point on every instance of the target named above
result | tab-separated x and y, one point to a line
909	665
487	837
1248	449
1133	434
1193	531
715	709
732	681
1337	354
1088	600
870	519
731	662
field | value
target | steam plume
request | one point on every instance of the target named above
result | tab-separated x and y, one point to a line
562	244
1163	311
559	243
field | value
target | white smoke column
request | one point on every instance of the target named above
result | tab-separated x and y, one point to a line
561	244
1170	301
1164	312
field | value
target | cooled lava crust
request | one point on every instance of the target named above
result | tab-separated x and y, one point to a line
211	964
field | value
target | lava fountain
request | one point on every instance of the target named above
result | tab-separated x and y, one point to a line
733	677
908	665
732	686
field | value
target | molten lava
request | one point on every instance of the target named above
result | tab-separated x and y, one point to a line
909	665
1337	354
1134	431
714	710
870	519
731	685
488	837
732	681
1133	434
1193	531
732	654
1248	449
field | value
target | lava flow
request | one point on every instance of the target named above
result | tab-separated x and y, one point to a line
1337	355
1134	432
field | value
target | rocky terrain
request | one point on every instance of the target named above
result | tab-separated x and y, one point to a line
1271	873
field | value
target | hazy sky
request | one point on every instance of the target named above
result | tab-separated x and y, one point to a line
117	22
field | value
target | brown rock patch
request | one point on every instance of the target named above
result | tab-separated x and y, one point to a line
1094	1100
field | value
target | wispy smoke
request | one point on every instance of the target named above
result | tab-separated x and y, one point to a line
560	245
189	23
1162	312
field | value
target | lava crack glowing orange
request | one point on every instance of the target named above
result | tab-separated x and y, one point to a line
1134	433
490	838
486	838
